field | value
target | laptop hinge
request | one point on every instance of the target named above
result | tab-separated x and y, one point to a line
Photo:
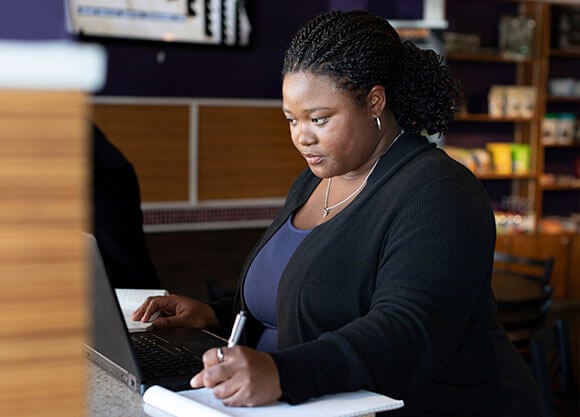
122	374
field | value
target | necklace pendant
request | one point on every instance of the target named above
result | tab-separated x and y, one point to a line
325	212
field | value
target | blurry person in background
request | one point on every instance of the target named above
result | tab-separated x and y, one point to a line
117	217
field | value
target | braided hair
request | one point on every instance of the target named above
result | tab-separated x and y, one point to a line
358	51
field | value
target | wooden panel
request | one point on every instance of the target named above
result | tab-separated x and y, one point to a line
503	243
155	138
245	152
43	210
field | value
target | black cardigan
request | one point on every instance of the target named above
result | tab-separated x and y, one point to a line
394	294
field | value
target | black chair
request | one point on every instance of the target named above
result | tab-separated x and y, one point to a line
550	363
524	296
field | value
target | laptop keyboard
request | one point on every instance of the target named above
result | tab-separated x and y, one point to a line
160	358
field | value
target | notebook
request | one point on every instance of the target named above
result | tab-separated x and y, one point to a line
131	298
165	357
159	402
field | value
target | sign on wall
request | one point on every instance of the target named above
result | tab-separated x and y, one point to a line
217	22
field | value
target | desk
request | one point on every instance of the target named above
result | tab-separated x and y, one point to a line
108	397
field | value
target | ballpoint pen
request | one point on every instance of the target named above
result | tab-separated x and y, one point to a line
237	329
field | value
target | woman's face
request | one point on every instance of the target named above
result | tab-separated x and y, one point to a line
333	132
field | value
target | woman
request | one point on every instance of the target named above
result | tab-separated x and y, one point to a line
376	272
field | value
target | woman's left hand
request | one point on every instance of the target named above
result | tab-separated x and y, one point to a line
246	377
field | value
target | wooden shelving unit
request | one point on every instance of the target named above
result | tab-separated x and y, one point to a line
553	157
533	70
478	68
485	66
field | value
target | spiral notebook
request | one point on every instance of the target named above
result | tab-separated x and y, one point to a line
160	402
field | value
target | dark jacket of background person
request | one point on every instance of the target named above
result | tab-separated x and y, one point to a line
118	219
425	329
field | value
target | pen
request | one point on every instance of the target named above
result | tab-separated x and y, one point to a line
237	329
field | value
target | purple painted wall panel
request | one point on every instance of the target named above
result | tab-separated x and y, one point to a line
189	70
203	71
32	20
400	9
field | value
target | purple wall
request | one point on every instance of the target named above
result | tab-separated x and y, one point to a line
32	20
392	9
208	71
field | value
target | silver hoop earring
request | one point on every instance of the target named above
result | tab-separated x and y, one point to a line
378	121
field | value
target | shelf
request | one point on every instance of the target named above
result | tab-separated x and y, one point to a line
558	145
486	57
564	99
528	176
484	117
565	53
559	187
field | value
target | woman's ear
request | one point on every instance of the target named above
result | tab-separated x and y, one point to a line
377	100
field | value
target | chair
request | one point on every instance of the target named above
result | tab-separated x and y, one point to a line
550	363
524	296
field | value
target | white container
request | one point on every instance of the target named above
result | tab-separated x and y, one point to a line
496	101
566	126
562	86
576	91
549	129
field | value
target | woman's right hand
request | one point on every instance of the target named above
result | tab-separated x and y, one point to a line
177	311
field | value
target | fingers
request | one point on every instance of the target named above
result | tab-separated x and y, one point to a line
138	313
168	321
211	356
214	372
149	307
224	390
230	392
197	380
245	377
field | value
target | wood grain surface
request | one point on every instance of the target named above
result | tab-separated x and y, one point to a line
43	210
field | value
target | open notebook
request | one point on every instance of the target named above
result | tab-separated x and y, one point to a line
160	402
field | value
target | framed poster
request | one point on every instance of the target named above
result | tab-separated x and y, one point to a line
213	22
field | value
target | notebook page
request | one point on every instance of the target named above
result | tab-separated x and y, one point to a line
130	299
176	405
338	405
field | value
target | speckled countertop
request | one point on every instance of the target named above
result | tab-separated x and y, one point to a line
108	397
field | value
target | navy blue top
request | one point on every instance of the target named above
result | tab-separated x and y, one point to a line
261	284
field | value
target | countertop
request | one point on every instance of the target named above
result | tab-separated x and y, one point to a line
108	397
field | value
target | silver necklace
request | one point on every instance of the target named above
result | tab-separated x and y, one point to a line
326	209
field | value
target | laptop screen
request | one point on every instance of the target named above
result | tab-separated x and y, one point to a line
109	335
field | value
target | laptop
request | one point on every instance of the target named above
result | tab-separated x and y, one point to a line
166	357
